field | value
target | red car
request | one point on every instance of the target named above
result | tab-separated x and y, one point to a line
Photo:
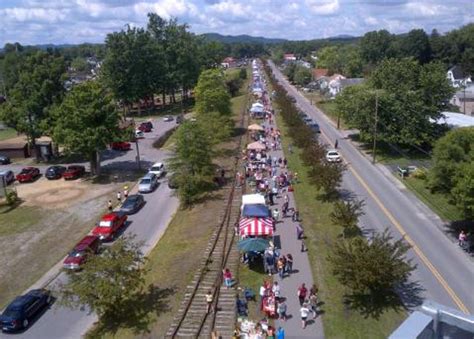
28	174
109	225
145	127
90	244
120	146
74	172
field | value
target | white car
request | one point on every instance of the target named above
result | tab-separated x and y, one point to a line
158	169
139	134
148	183
333	156
168	118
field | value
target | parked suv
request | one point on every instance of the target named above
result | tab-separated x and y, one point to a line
74	172
109	225
55	172
8	176
158	169
90	244
148	183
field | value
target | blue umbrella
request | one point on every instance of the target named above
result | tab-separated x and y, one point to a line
253	245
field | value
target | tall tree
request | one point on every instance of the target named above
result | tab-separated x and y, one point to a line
376	46
211	93
302	76
38	86
86	122
416	44
192	162
108	281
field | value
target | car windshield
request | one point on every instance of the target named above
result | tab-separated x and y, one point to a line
76	254
23	171
145	181
156	168
333	154
105	223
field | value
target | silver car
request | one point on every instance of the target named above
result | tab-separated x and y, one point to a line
6	176
148	183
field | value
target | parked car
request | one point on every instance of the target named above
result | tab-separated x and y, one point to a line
307	120
4	160
74	172
89	245
158	169
146	127
315	127
120	146
23	309
28	174
132	204
109	225
55	172
179	119
139	134
8	176
168	118
333	156
148	183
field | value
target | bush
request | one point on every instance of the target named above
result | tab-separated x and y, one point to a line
12	198
420	174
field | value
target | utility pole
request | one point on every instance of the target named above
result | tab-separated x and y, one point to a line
375	126
138	153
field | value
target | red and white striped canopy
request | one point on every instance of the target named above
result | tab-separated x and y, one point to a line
256	226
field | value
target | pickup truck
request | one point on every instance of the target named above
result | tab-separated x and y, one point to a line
109	225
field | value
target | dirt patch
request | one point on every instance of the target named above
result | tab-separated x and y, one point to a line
60	194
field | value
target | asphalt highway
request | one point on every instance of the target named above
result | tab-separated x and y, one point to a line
444	272
148	225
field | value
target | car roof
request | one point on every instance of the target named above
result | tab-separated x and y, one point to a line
156	164
133	197
85	242
4	172
19	301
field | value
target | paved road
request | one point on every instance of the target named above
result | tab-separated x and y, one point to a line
444	271
148	225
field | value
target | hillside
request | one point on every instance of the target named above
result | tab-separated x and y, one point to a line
231	39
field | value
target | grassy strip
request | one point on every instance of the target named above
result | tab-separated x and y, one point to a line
327	106
438	202
7	133
339	321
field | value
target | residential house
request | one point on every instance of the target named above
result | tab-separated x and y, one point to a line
229	62
464	99
320	72
289	57
458	77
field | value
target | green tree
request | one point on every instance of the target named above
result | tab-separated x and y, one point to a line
376	46
374	267
108	281
416	44
211	93
346	214
80	64
39	85
86	122
463	191
329	57
192	162
290	71
302	76
243	73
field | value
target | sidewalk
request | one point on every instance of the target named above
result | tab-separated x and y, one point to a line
285	235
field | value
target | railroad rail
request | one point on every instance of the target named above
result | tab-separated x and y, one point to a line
192	320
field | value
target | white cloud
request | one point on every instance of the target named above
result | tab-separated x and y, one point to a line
323	7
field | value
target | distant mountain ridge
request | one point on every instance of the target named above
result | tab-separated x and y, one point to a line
243	38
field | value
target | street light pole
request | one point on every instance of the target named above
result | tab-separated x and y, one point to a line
138	153
375	126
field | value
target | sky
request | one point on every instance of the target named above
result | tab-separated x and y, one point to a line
76	21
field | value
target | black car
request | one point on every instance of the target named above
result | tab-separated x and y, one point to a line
315	127
23	309
4	160
55	172
132	204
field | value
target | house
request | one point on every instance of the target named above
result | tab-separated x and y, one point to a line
229	62
458	77
319	73
304	64
464	99
289	57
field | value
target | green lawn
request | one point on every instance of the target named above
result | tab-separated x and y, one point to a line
7	133
19	220
327	106
339	321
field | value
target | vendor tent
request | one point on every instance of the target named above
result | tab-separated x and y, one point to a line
257	146
256	211
256	226
253	245
256	109
255	127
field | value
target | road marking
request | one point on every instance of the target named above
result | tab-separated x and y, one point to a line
399	227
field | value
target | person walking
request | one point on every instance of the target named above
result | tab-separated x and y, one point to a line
304	312
227	278
281	267
303	246
119	197
462	239
110	206
336	143
286	199
285	209
299	231
281	310
209	298
276	214
280	333
262	292
289	263
125	192
313	300
276	290
296	215
302	292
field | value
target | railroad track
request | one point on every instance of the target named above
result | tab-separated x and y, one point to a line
192	320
